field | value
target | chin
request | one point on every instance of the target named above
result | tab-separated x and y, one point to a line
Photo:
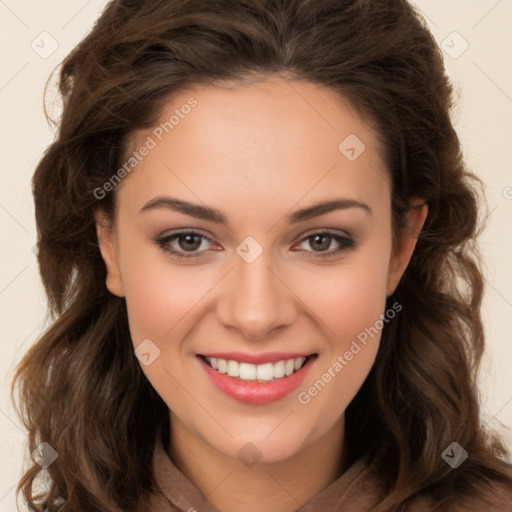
280	445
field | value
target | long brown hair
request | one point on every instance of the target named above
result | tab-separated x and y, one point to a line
81	389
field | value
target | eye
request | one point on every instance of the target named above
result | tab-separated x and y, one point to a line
183	244
189	244
323	240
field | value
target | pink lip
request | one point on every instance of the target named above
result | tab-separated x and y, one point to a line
269	357
256	392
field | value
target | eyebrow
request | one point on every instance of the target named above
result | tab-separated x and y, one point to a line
213	215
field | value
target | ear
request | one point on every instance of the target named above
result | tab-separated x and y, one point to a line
108	248
408	236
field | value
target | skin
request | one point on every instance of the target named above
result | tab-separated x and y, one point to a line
257	152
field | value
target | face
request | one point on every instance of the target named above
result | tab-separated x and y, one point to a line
264	278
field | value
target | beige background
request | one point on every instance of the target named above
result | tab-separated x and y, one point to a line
35	37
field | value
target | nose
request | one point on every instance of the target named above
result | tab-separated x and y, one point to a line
256	300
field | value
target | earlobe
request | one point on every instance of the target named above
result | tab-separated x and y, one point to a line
108	251
415	220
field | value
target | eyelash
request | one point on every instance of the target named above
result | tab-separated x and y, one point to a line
164	244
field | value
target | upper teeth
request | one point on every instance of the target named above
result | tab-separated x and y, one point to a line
247	371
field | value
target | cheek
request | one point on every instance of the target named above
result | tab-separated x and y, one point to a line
159	296
346	298
158	293
350	303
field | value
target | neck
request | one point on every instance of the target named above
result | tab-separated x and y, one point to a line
284	485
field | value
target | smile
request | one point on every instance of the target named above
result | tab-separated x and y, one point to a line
262	383
250	372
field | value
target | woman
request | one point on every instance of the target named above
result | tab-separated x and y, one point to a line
257	238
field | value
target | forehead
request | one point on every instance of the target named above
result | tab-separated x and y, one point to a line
277	140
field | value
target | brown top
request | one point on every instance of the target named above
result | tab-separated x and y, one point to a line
351	492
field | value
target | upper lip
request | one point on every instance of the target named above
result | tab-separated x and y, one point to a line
268	357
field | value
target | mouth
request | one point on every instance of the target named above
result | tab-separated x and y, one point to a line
262	383
266	372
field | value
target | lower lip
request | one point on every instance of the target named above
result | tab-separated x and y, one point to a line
257	392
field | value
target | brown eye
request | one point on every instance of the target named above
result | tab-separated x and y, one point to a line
320	243
184	244
187	242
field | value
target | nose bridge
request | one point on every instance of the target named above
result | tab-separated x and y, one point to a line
255	301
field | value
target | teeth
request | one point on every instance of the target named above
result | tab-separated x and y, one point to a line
247	371
260	372
222	365
233	369
265	371
279	369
